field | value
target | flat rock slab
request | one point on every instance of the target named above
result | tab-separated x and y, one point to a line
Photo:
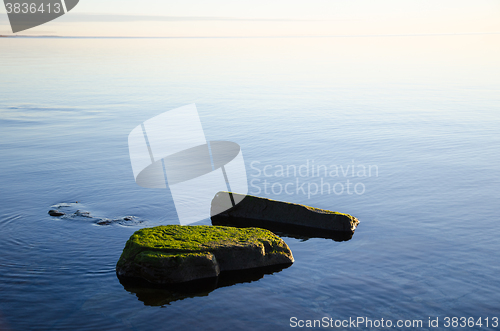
290	218
174	254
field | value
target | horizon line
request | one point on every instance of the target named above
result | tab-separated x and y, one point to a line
252	37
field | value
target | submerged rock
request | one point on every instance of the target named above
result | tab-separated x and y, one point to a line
289	218
55	212
104	221
175	254
72	213
83	213
127	220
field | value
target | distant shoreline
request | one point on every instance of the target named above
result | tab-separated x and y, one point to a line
255	37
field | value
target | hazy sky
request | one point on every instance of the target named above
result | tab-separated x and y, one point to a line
270	18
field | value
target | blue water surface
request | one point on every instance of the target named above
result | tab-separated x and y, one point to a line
421	113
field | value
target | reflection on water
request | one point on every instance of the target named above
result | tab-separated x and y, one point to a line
156	295
284	230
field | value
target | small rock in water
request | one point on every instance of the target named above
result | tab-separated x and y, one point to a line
104	221
72	214
55	212
123	221
83	213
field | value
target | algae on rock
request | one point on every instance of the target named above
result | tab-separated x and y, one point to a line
173	254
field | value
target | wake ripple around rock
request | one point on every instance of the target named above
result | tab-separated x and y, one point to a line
73	211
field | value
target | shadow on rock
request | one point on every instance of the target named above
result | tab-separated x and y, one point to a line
160	295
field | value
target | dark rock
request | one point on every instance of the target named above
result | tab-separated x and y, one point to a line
281	217
55	212
175	254
83	213
127	220
104	221
72	212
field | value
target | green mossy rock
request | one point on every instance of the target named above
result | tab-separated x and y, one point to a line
174	254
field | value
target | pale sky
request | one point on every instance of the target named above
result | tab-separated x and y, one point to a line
201	18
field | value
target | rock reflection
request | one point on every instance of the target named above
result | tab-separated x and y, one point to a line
156	295
284	230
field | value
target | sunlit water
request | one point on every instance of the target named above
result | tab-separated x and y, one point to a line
421	112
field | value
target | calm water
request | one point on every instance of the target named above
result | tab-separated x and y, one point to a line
423	112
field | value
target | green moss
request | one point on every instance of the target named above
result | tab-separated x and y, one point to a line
151	244
319	210
325	211
152	256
